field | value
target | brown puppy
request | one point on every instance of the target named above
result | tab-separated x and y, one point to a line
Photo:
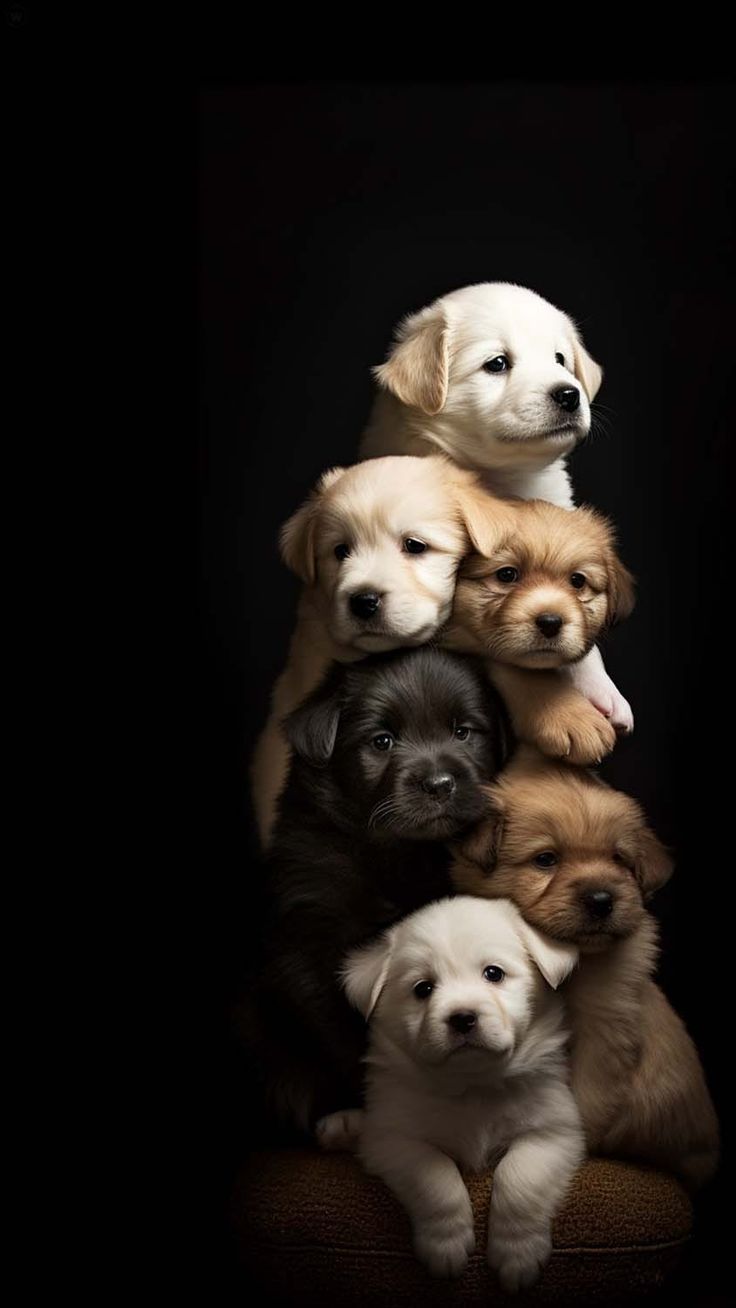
545	584
579	861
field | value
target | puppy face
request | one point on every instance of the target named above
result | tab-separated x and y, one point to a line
504	371
575	856
541	593
404	743
381	543
455	981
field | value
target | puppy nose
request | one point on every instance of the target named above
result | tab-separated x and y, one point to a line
365	604
568	398
599	903
463	1021
549	623
441	785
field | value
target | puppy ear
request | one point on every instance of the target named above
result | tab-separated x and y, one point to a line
417	369
653	863
481	847
554	960
487	520
621	593
587	370
364	973
311	729
298	536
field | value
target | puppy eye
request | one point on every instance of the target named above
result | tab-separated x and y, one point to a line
507	575
578	580
384	741
625	862
414	546
462	733
342	552
501	363
560	358
423	989
547	858
493	973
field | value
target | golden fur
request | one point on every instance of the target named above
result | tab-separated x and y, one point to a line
635	1071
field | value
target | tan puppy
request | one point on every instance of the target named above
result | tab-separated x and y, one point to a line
378	547
579	861
538	595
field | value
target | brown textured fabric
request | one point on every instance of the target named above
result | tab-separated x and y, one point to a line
312	1228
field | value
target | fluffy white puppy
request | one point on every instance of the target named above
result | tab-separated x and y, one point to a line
467	1062
498	379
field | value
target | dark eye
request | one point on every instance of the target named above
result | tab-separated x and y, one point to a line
462	733
414	546
342	552
560	358
384	741
546	859
423	989
493	973
501	363
623	860
577	580
507	574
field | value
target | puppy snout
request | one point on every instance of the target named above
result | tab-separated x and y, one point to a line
439	784
463	1021
549	623
365	603
568	398
599	903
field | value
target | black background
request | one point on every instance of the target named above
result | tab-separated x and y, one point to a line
326	212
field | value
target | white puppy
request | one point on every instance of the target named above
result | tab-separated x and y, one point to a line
467	1062
498	379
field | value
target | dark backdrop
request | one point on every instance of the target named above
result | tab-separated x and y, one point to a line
328	211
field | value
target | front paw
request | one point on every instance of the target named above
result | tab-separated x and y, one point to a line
520	1260
577	733
444	1246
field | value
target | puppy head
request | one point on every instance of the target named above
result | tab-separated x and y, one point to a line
576	857
457	980
540	596
504	372
402	744
381	543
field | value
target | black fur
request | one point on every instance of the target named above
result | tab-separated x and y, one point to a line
359	844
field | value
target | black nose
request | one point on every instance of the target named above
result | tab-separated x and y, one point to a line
568	398
549	623
462	1022
441	785
599	903
365	604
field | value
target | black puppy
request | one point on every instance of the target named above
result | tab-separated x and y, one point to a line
389	758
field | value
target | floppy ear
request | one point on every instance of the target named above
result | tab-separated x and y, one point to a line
487	520
653	863
417	368
587	370
482	845
298	536
364	973
311	729
621	593
554	960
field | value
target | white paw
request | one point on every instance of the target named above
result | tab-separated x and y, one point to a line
445	1246
519	1261
341	1130
594	683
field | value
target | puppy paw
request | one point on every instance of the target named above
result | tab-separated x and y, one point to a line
596	685
579	734
445	1245
519	1261
340	1131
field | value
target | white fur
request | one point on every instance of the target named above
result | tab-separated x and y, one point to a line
437	1098
436	397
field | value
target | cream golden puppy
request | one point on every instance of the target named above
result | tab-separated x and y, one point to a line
377	546
499	380
538	596
579	861
467	1066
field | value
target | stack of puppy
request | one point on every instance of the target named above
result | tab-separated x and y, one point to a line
458	958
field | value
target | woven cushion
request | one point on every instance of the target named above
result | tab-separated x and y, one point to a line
313	1227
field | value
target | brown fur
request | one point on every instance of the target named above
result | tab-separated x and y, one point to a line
635	1071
